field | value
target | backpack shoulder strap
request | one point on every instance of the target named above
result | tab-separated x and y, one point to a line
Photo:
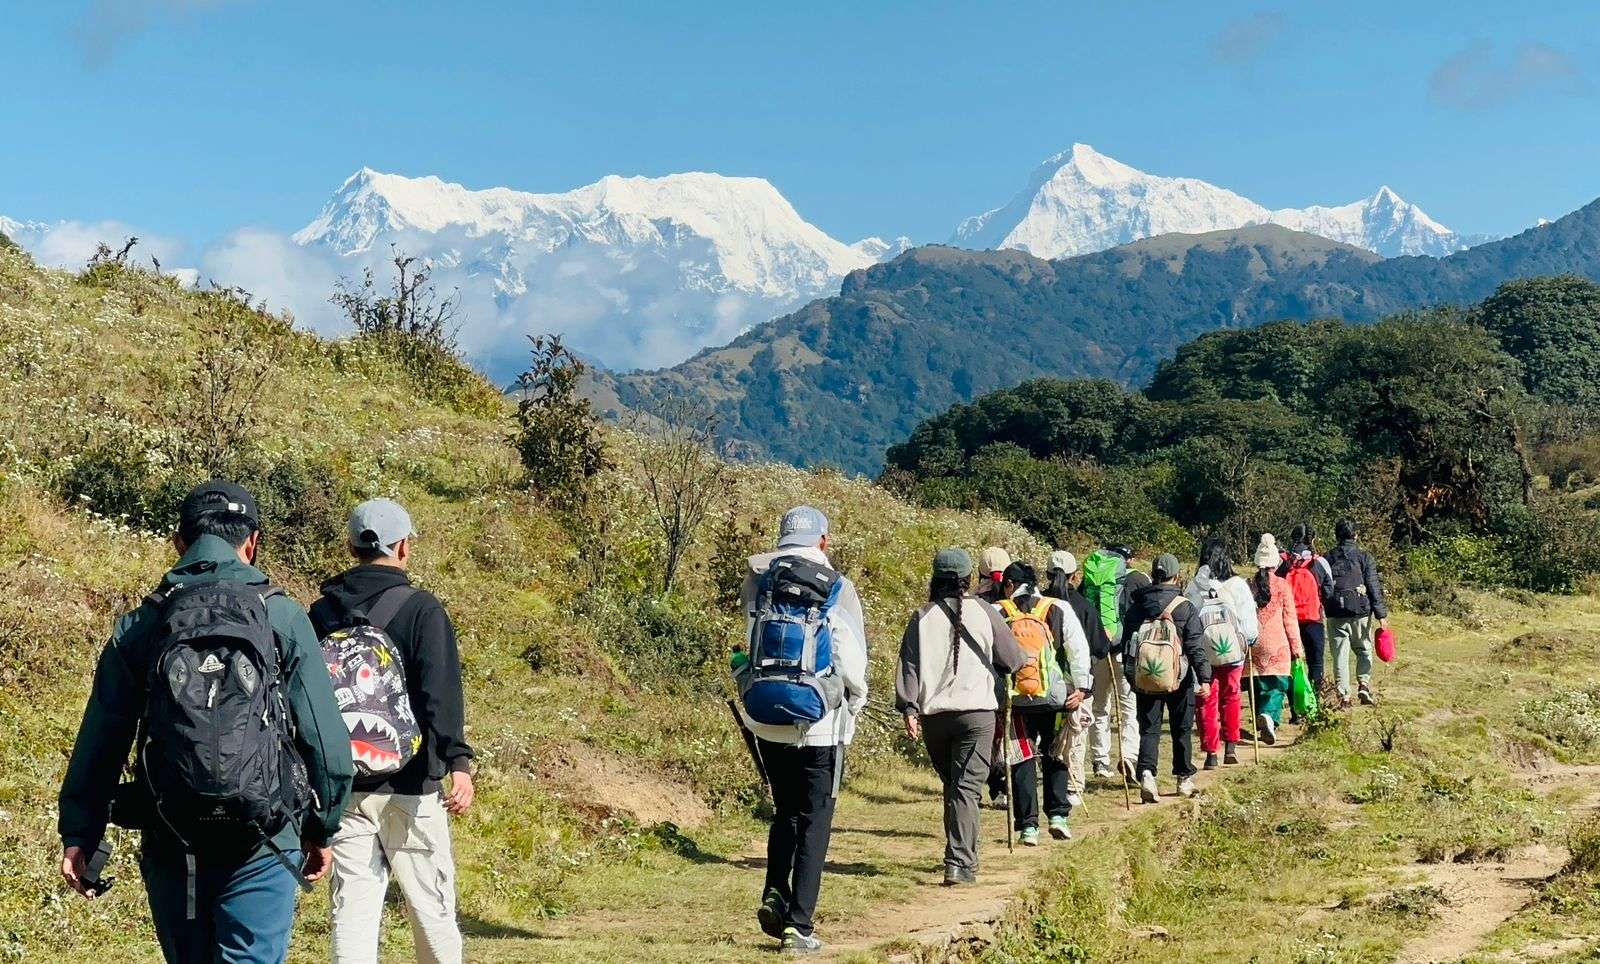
1041	611
1008	609
1172	607
389	604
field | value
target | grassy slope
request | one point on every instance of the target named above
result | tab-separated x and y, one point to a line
85	366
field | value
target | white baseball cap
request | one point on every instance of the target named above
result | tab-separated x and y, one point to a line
1062	561
376	525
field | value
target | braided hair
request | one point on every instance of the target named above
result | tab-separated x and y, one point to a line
954	589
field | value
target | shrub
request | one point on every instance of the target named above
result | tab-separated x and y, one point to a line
558	435
661	644
1571	719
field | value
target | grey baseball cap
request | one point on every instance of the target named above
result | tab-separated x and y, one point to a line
1165	568
802	526
952	562
377	524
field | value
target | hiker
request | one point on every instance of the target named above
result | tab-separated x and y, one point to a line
992	563
1312	582
1065	576
1053	683
954	657
1109	585
802	720
1165	661
216	650
1228	616
1279	641
392	649
1355	601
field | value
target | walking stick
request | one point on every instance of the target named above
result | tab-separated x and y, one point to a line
1116	713
1255	721
1005	756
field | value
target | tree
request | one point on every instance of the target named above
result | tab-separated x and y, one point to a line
411	308
1551	326
558	435
683	472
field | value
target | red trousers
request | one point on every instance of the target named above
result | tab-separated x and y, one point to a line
1224	703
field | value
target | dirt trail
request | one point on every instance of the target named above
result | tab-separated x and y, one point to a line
1481	897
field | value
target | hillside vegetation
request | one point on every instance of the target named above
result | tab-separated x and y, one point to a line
593	699
843	378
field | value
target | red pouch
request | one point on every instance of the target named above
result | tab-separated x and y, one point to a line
1386	645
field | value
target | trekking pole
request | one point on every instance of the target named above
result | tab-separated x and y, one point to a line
1255	718
1116	712
1005	756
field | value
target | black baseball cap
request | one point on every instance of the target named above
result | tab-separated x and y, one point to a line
218	497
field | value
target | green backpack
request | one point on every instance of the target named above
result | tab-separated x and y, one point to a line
1104	575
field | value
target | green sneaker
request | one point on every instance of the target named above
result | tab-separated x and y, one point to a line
770	915
1059	829
795	942
1029	837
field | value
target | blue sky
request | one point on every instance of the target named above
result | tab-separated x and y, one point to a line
195	117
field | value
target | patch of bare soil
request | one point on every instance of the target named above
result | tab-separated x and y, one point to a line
601	781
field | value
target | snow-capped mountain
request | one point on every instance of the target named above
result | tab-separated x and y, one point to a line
1081	201
638	271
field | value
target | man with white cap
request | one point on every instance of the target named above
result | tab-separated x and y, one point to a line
396	822
803	758
1064	576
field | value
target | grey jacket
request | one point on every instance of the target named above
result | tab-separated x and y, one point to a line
941	671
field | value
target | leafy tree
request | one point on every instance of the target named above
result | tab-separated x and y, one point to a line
1552	326
558	435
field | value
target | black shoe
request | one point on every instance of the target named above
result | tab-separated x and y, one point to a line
1229	756
770	915
1211	761
958	876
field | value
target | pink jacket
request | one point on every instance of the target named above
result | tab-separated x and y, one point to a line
1280	631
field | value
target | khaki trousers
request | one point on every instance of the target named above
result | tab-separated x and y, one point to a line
408	837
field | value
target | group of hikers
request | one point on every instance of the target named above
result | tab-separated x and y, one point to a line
276	746
1003	677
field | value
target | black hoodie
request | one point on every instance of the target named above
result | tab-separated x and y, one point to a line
427	642
1147	604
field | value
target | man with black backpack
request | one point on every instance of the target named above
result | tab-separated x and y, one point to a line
801	686
243	762
397	674
1355	602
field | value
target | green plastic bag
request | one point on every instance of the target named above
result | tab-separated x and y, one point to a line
1302	698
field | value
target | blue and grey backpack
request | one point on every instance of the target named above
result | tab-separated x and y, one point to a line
790	678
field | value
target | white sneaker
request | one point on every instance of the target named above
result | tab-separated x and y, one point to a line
1075	801
1147	788
1102	771
1267	729
1186	788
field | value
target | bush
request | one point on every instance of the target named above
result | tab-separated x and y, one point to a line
1571	719
661	644
558	435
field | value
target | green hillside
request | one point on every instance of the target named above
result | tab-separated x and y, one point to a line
842	378
594	704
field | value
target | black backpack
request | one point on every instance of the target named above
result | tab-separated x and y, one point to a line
1349	599
217	753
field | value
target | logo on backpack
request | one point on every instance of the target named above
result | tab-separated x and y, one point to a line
369	682
1157	667
1039	682
217	754
1223	643
790	678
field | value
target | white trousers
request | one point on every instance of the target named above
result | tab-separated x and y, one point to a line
1110	684
409	837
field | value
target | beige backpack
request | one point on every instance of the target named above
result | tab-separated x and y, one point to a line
1158	657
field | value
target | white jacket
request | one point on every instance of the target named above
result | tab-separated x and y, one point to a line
1236	594
849	633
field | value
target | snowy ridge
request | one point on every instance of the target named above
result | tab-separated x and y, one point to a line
1080	201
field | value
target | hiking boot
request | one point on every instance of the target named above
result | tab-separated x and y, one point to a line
1267	729
1001	802
770	915
1364	694
795	942
1102	771
959	876
1029	836
1059	829
1211	761
1186	788
1230	754
1147	788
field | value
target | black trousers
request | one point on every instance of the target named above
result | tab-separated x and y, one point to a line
1179	709
1314	637
797	846
1041	726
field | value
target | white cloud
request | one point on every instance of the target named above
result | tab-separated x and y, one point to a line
1476	78
70	244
